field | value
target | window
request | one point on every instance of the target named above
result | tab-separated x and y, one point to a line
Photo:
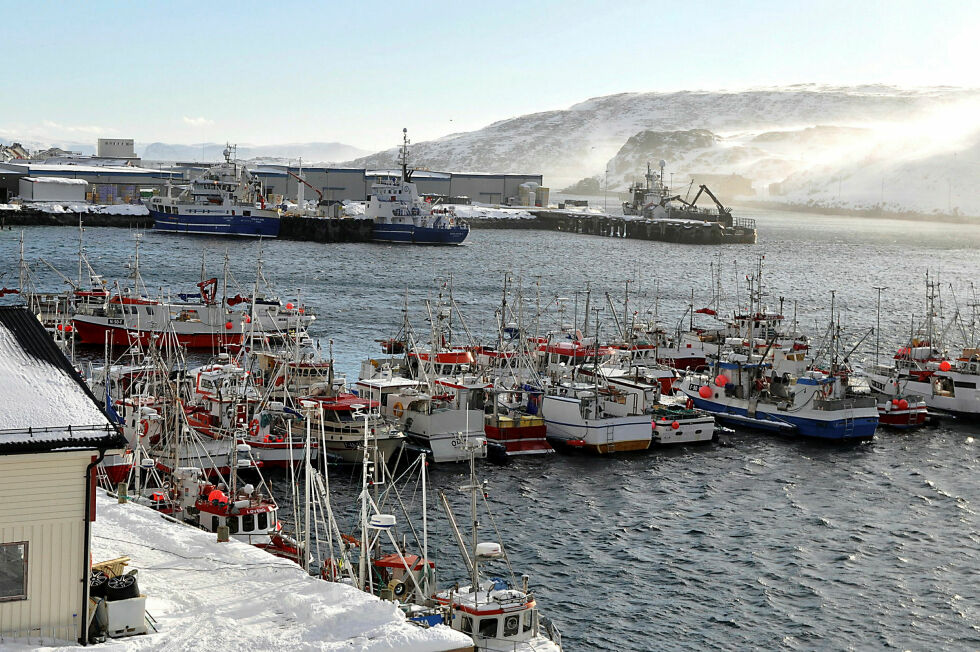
263	521
512	625
528	619
232	525
13	571
467	625
248	522
247	213
214	523
488	627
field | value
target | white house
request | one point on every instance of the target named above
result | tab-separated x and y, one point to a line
52	189
52	435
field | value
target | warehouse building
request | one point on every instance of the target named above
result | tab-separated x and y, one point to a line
53	189
108	184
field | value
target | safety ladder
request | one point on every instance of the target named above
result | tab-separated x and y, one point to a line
848	419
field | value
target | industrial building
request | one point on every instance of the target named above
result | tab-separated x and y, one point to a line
107	184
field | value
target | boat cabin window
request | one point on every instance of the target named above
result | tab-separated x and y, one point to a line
263	521
528	620
488	627
233	525
512	625
214	523
248	522
466	625
149	310
246	213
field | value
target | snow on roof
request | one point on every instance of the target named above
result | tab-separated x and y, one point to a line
206	595
48	168
64	180
45	403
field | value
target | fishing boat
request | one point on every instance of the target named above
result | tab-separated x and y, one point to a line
499	614
400	214
223	200
923	370
596	418
782	397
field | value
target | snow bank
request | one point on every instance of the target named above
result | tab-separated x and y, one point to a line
9	207
231	596
65	181
94	209
482	212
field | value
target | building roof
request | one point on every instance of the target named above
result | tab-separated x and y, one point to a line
62	180
46	404
59	169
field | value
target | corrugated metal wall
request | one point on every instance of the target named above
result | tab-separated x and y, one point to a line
44	504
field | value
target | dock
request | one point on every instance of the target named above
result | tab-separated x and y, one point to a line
330	230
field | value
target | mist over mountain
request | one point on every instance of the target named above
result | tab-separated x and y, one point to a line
800	142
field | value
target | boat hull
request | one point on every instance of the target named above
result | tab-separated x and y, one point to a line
411	234
520	439
94	330
826	427
216	224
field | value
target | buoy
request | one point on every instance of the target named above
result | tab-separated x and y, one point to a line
721	380
903	404
945	366
289	306
68	328
675	425
60	327
704	392
229	325
248	320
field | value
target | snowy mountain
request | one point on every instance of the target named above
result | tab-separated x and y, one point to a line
791	134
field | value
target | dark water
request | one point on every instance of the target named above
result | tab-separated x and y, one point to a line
768	543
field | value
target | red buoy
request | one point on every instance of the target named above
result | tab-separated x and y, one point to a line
704	392
289	306
945	366
229	325
675	425
903	404
721	380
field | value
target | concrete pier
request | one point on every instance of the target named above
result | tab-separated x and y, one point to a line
359	229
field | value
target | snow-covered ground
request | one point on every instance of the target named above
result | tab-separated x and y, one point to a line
463	211
206	595
81	207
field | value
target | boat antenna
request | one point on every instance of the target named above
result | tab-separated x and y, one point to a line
403	156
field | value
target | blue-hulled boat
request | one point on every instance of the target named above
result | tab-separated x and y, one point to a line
225	200
401	216
786	398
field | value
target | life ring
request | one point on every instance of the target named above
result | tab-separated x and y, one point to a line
145	426
253	428
398	410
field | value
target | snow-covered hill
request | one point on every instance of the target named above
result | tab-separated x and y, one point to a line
792	134
310	152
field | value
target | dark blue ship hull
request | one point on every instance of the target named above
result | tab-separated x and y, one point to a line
216	224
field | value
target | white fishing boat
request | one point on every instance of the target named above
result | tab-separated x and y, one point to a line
597	419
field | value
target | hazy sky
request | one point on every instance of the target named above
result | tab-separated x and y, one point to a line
357	72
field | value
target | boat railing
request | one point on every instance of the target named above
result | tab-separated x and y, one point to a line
743	223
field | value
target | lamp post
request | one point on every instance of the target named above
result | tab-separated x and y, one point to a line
605	195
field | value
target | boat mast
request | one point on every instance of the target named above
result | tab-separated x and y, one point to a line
878	323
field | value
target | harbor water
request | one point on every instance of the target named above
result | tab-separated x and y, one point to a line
766	543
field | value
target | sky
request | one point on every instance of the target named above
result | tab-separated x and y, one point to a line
357	72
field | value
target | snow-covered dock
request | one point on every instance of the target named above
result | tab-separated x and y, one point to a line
206	595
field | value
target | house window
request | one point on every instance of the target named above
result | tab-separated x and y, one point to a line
13	571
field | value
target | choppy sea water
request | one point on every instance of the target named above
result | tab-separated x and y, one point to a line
767	543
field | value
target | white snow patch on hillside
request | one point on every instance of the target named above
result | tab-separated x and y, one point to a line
232	596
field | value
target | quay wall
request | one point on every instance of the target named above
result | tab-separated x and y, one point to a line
359	229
